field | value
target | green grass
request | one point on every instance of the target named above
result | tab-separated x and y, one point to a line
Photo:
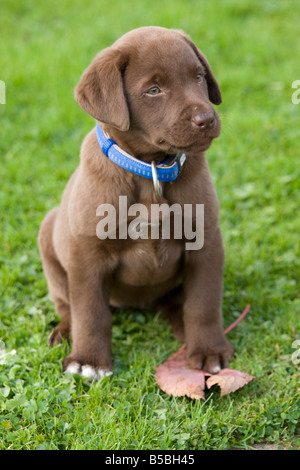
254	50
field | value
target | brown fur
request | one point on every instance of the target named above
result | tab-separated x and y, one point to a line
85	274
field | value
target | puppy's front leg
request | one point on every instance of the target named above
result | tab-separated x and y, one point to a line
91	320
207	347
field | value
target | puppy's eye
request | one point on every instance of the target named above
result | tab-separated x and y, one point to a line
153	91
200	77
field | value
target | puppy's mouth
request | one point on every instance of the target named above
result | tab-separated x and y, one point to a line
198	146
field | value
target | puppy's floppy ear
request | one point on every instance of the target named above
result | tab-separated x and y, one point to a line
100	91
214	92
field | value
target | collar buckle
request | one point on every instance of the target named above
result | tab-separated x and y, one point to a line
180	158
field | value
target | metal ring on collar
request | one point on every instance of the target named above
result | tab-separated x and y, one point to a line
156	183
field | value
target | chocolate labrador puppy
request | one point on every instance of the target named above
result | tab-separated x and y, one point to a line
151	95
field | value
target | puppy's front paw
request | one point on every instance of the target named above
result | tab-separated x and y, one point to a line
213	359
86	370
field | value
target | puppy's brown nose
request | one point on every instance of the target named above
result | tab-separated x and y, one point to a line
204	120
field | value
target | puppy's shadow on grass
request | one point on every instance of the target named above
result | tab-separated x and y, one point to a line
139	338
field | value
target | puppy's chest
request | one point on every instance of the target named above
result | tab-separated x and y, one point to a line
149	262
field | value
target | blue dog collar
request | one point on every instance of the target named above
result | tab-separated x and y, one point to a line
167	170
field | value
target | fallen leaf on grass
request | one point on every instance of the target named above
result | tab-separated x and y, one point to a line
176	378
229	380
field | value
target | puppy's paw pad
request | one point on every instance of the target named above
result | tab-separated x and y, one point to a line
87	371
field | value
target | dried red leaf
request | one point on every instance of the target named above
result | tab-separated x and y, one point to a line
229	380
176	378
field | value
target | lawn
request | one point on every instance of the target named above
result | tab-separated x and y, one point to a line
254	49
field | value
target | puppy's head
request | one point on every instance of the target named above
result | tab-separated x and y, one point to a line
156	86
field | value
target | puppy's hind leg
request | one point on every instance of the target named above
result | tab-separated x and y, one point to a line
56	279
